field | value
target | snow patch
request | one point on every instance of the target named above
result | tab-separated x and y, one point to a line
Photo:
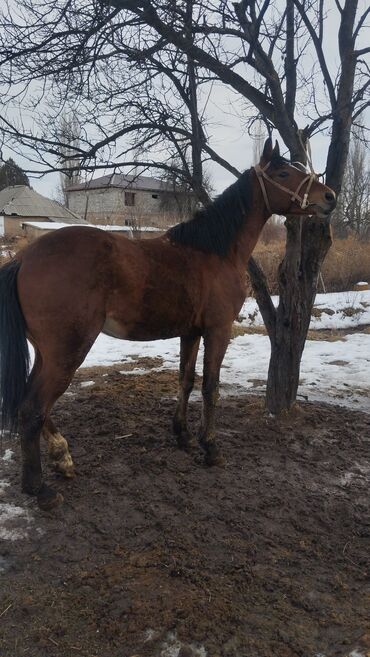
87	384
7	456
138	370
14	522
360	475
336	372
172	646
345	311
3	486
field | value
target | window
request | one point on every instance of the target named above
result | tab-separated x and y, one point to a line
130	198
154	195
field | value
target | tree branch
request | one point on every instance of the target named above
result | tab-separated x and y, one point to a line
263	298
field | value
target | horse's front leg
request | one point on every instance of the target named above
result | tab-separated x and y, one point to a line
188	358
215	345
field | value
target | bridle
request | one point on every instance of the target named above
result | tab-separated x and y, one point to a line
295	196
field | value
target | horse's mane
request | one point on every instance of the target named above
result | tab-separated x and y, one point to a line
213	228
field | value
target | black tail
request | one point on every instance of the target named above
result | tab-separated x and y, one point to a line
14	355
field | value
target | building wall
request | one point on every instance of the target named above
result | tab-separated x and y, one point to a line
13	225
108	206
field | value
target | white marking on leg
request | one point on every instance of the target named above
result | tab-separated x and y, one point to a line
59	454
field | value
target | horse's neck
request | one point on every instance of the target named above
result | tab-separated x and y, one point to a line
247	237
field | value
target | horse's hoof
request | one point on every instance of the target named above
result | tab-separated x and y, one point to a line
186	441
30	486
48	498
213	457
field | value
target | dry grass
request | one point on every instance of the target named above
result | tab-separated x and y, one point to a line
347	263
329	335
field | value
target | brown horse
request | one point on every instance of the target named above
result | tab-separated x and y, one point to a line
65	288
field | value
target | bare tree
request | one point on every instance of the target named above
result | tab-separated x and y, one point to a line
139	67
69	134
352	215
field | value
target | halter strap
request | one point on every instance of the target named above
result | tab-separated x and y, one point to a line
302	200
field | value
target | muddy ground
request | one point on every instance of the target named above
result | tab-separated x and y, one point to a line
153	554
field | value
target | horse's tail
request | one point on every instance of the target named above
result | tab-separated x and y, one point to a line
14	354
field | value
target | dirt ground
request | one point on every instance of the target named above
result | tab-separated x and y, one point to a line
155	555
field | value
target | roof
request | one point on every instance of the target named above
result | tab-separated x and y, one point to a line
22	201
126	182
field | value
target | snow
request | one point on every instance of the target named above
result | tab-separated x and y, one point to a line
171	647
14	520
3	486
342	304
108	351
8	455
10	531
330	371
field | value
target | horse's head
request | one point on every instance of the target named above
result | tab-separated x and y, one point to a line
288	189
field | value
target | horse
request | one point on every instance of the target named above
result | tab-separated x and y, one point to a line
65	288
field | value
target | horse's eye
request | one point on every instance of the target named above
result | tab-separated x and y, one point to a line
283	174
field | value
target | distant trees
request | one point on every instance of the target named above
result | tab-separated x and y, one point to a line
12	174
352	215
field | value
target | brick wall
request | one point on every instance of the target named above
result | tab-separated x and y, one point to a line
108	206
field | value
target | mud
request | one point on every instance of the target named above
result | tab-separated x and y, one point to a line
153	554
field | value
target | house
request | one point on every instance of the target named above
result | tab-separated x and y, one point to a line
21	203
130	200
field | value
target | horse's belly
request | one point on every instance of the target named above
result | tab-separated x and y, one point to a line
143	331
114	329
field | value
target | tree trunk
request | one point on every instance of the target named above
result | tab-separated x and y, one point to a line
307	244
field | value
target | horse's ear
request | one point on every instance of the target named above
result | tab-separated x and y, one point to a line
267	152
276	150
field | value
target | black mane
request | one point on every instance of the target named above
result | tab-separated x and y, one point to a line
214	227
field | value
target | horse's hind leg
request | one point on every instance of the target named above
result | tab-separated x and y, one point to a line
45	388
58	450
188	357
215	345
32	417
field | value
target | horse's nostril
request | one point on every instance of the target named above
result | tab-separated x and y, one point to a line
329	196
